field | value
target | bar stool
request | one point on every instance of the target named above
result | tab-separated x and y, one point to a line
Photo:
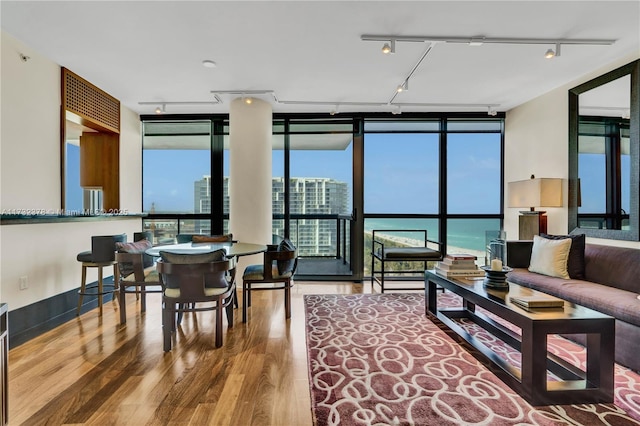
103	253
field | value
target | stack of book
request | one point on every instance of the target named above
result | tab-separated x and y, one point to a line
459	266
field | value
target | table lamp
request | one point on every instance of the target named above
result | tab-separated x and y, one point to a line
532	193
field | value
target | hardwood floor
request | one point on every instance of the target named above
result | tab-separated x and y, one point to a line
94	371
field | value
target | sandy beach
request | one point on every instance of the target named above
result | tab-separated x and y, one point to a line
418	243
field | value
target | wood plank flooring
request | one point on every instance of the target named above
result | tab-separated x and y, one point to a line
94	371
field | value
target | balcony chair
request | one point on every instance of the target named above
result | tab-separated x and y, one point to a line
211	284
270	276
137	274
385	252
102	254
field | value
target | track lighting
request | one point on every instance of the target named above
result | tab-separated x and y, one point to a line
551	53
492	112
389	47
334	111
403	87
248	100
162	108
396	110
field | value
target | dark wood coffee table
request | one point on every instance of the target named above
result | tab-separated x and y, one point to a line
574	386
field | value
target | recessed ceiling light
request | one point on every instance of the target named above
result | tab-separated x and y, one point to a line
208	63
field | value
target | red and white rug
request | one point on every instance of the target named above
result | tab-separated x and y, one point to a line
376	359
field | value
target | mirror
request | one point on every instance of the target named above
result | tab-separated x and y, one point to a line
604	162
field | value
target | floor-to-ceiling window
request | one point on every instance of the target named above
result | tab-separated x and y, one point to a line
474	176
442	175
435	172
177	177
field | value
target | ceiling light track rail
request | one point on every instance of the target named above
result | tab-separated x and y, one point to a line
405	84
478	40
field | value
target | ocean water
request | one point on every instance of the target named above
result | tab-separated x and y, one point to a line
468	234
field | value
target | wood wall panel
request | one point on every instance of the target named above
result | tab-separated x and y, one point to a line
100	166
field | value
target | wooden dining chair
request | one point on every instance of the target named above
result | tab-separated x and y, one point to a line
136	278
275	273
196	287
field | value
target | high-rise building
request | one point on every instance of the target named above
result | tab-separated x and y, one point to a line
202	204
308	196
202	195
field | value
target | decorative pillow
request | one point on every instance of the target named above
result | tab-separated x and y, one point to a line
211	281
550	257
212	238
285	266
576	263
137	247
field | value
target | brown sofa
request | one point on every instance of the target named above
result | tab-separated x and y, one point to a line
611	286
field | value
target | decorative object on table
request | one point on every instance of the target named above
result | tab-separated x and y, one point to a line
458	265
496	278
537	301
532	193
496	255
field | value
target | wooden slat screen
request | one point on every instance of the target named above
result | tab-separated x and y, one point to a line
89	102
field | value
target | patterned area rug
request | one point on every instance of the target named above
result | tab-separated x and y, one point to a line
378	360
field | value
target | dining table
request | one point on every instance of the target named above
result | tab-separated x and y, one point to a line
232	249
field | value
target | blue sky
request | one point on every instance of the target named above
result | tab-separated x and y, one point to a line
401	173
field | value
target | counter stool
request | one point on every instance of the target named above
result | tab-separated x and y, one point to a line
103	253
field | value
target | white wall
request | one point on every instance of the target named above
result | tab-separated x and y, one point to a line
30	179
536	142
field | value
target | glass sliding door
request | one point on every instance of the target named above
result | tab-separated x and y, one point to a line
320	195
401	180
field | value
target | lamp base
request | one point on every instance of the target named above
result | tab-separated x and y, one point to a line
531	223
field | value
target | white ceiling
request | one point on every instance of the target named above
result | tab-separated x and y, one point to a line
311	51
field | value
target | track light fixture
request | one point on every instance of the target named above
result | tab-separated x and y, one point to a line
389	47
492	112
247	95
403	87
334	111
162	110
551	53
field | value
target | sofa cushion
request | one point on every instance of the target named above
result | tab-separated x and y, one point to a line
575	264
620	304
550	257
614	266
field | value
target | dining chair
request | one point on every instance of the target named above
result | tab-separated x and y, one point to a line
196	287
101	255
223	238
275	273
184	238
137	274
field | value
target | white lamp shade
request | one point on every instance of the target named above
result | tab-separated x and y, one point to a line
537	192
